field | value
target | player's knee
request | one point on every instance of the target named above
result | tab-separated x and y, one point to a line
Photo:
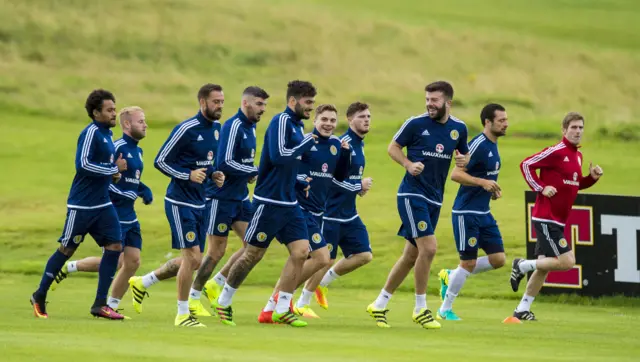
323	259
66	251
366	258
300	254
468	265
497	260
132	263
114	246
252	255
567	261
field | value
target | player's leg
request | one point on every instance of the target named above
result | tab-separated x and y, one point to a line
106	231
466	232
319	260
553	253
330	231
294	235
356	248
72	235
132	238
139	285
264	224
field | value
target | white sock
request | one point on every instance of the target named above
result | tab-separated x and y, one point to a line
72	266
271	305
194	294
382	300
226	296
283	302
183	307
527	266
220	279
329	277
305	298
149	280
482	265
421	302
525	303
113	303
456	281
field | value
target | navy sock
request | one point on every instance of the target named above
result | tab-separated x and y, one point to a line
108	266
54	265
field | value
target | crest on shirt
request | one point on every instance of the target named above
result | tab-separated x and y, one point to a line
334	150
361	169
562	243
325	167
472	242
190	236
253	153
111	158
575	176
77	239
439	148
330	247
261	237
454	135
316	238
210	155
138	174
222	227
216	134
422	225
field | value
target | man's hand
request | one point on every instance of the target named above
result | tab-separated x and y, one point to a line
415	168
253	179
198	176
549	191
315	137
121	163
366	185
496	195
460	159
218	178
595	172
116	177
306	189
490	186
345	144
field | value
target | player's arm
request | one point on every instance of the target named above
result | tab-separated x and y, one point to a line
348	187
403	138
594	175
462	155
528	167
227	150
279	133
145	192
167	159
85	157
344	162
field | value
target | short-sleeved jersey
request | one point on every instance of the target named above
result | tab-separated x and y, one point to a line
432	143
484	162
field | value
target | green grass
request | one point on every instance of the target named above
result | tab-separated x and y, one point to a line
344	332
540	59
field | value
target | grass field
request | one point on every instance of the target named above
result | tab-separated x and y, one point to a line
540	59
344	332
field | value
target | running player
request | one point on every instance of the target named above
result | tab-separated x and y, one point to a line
225	205
123	195
432	140
187	158
276	211
557	187
89	209
473	224
328	159
343	226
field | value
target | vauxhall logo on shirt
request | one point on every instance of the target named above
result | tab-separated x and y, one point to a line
573	182
438	153
325	168
208	162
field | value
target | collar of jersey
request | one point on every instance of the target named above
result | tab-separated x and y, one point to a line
101	125
569	144
203	121
320	137
292	114
129	140
240	115
354	136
